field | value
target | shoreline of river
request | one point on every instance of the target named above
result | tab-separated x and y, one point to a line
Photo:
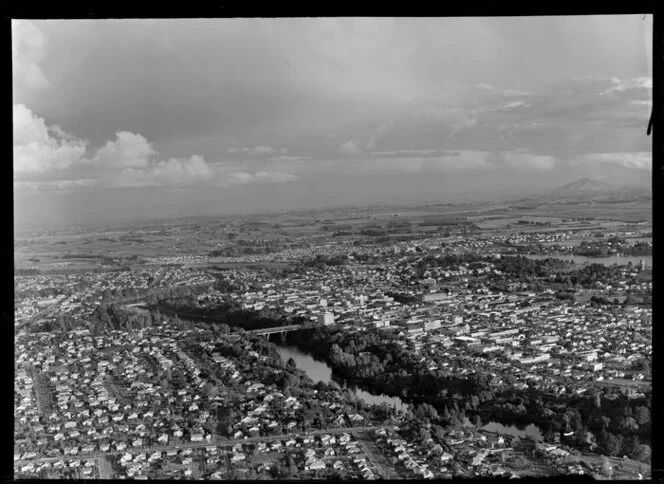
319	370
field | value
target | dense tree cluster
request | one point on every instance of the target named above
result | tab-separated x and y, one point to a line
110	317
369	259
567	295
373	232
225	285
523	266
612	245
61	323
589	275
402	298
120	293
452	261
321	261
228	313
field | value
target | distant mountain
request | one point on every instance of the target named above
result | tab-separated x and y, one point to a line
581	188
589	189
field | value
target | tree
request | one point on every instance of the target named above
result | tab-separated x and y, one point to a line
605	422
628	423
609	443
439	433
642	415
643	453
437	450
426	411
630	447
446	413
425	436
607	469
630	300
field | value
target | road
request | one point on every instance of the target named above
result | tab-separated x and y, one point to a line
219	441
105	469
44	400
378	460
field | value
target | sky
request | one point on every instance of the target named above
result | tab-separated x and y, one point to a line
115	119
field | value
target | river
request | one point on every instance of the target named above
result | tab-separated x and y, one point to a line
607	261
320	371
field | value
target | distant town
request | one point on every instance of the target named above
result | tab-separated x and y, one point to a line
437	342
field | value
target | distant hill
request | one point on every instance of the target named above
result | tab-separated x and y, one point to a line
582	187
589	189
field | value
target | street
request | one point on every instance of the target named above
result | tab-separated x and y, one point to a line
219	441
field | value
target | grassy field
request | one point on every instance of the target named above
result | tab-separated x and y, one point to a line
622	468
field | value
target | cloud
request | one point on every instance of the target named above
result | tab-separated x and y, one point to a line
422	124
383	127
516	93
624	85
174	172
515	104
411	153
29	47
460	161
39	148
349	148
258	150
129	160
243	177
638	160
523	160
291	158
387	163
529	161
128	150
57	185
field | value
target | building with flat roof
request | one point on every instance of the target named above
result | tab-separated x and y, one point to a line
327	318
434	296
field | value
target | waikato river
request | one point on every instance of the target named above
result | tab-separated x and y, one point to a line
320	371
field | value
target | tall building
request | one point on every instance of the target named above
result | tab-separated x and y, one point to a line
326	318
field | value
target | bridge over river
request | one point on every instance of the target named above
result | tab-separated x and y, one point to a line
282	330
